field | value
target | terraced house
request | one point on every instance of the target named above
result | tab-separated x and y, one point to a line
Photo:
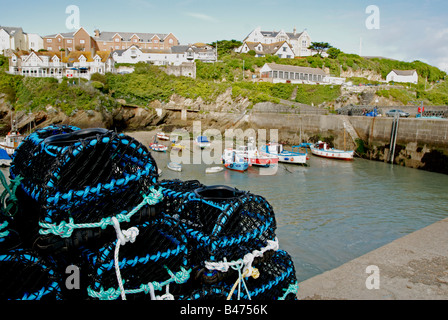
111	41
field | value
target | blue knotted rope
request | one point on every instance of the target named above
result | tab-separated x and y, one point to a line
65	229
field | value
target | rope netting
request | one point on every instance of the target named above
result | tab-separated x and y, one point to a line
91	199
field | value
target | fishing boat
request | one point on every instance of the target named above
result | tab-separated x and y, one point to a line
202	142
256	158
322	149
294	156
214	169
5	159
174	166
162	136
234	160
156	146
12	141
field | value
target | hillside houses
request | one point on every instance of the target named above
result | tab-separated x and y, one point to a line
76	64
403	76
281	49
278	73
298	41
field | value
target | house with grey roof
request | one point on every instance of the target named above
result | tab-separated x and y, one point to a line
403	76
12	38
299	41
280	73
281	49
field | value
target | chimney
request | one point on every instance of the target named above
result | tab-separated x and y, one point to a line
294	30
97	33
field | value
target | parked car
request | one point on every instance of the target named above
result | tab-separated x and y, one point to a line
393	112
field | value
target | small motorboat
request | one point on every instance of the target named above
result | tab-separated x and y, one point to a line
5	159
162	136
322	149
12	140
202	142
234	160
174	166
156	146
294	156
214	169
256	158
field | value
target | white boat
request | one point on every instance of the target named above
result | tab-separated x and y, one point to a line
162	136
202	142
294	156
256	158
214	169
322	149
234	160
174	166
159	172
12	141
156	146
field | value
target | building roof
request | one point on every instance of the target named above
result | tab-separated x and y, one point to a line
269	48
404	72
288	68
126	36
11	30
68	35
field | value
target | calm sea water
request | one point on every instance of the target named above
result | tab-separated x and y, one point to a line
331	211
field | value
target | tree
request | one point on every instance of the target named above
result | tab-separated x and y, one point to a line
319	47
333	53
226	46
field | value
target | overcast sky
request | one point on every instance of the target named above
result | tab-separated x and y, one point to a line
408	30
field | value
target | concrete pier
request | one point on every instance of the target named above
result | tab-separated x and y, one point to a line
414	267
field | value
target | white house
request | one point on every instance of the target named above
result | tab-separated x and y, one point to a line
57	65
279	73
175	56
281	49
12	38
299	41
403	76
34	42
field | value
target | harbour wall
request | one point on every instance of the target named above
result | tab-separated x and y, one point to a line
420	143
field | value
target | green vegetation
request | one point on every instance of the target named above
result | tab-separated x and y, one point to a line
148	83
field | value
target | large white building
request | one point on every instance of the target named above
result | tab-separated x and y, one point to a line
403	76
299	41
174	56
279	73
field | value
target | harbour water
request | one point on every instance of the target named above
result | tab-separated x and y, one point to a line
331	211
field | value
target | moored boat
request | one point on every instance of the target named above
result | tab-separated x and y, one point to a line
156	146
174	166
214	169
256	158
322	149
11	141
294	156
162	136
234	160
202	142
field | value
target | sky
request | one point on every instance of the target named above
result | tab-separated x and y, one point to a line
404	30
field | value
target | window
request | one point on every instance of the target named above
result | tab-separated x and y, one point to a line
288	56
304	43
135	40
156	41
286	75
82	41
171	41
275	74
59	39
69	41
117	47
49	40
284	49
280	74
49	48
117	40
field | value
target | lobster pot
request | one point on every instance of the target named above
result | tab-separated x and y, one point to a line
78	177
26	276
157	257
277	280
207	292
9	238
222	223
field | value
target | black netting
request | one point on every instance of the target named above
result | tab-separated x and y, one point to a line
158	256
26	276
221	222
